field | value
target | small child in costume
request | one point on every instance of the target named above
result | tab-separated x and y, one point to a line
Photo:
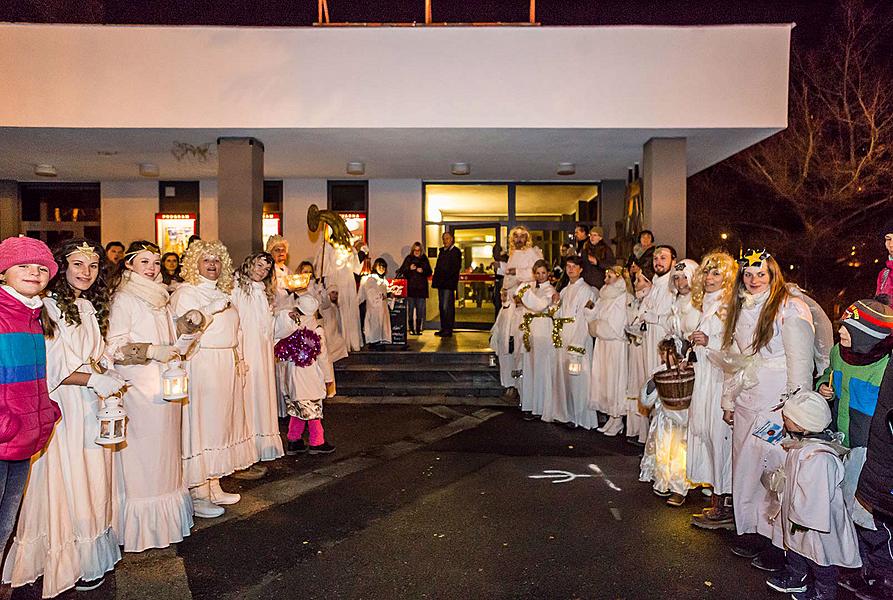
811	522
302	343
374	292
542	391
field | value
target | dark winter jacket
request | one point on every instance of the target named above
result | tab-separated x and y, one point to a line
27	415
446	271
594	274
416	281
644	262
875	490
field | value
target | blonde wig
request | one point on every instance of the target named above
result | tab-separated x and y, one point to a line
727	267
522	229
201	248
276	240
623	274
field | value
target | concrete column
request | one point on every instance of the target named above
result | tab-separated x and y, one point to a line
613	202
664	174
10	209
240	195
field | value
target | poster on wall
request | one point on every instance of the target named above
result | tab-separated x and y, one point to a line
272	225
172	231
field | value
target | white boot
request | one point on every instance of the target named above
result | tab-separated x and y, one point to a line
201	502
218	496
613	426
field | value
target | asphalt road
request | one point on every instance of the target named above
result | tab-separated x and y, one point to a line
440	503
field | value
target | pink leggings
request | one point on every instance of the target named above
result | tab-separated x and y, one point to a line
296	430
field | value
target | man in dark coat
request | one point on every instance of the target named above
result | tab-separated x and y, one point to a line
597	257
446	280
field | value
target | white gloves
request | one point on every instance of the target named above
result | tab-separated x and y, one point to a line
216	306
161	354
105	384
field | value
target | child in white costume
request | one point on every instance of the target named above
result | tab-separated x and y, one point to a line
814	526
505	336
157	509
578	302
542	391
636	420
709	458
610	354
217	439
253	296
65	529
374	292
664	458
306	384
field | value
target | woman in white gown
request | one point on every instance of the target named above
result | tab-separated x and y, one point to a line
253	297
636	419
216	437
65	531
156	509
578	301
709	437
542	391
768	340
374	292
610	352
336	267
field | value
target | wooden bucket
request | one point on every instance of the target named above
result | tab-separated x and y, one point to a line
675	387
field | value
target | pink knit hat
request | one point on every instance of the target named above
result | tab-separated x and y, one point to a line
26	251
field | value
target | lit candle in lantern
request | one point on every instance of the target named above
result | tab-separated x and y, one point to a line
575	364
175	382
111	421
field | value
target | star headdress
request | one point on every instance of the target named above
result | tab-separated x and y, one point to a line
85	249
142	248
754	258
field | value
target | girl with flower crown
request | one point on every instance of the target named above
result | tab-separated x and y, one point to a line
65	529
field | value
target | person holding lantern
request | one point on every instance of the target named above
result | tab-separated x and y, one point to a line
156	508
709	437
336	266
65	532
374	292
656	307
253	297
637	375
768	345
217	439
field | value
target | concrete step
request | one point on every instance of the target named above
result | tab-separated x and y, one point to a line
402	388
401	357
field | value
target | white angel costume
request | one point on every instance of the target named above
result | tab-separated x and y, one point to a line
610	354
542	390
654	311
577	346
374	292
336	267
305	386
65	528
636	422
157	509
256	325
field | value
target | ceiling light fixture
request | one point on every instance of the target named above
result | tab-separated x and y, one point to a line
44	170
356	167
567	168
149	170
460	168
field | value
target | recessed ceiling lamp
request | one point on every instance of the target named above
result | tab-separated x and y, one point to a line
460	168
44	170
148	170
567	168
356	167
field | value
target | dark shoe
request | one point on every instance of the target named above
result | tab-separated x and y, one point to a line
324	448
295	447
635	442
570	425
788	583
748	545
252	473
770	560
529	416
854	582
438	333
676	499
714	519
86	586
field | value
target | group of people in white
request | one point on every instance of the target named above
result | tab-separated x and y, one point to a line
754	434
255	342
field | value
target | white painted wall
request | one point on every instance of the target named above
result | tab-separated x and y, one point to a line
193	77
207	210
395	218
127	210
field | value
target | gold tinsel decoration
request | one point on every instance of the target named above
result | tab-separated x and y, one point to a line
558	324
576	349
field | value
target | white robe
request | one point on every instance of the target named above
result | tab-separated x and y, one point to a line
542	391
282	300
709	459
303	383
510	315
575	334
336	267
636	422
813	498
374	292
331	323
216	436
65	528
256	324
785	363
655	313
157	508
610	372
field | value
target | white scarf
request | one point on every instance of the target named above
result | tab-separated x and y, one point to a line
145	289
614	290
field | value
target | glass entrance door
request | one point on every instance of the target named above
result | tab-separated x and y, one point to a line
474	298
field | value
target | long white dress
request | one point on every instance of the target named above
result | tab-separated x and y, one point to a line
542	391
256	324
509	319
709	437
374	292
655	311
65	528
331	323
610	354
574	337
636	422
784	364
216	436
336	267
282	300
813	499
156	507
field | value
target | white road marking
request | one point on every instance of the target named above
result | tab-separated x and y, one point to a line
599	473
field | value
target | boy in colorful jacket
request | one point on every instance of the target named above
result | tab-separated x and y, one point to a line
27	415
